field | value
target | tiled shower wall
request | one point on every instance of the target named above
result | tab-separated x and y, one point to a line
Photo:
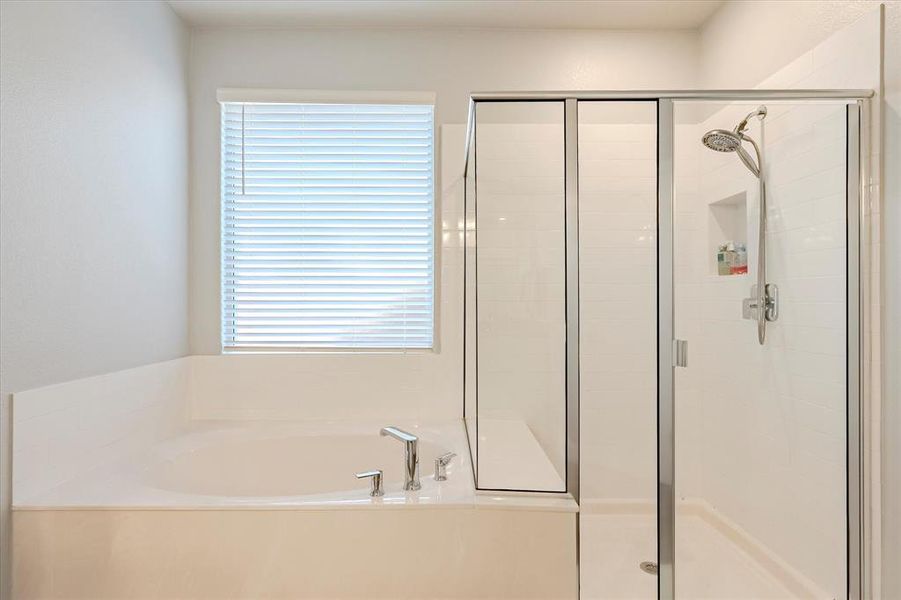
617	287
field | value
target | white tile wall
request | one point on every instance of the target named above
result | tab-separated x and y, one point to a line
321	386
617	285
62	431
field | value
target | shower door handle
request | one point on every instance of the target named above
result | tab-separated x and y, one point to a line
680	353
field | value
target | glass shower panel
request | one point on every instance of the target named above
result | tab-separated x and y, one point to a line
519	306
617	345
761	429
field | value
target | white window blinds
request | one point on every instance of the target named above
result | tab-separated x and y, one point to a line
327	226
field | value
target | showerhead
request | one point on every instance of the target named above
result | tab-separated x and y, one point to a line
721	140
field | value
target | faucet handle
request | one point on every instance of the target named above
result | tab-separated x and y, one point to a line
441	465
376	476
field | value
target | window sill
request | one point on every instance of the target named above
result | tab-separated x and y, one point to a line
327	351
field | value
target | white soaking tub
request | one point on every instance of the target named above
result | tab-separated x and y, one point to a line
261	463
273	509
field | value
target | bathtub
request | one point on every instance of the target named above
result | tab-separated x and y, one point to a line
259	509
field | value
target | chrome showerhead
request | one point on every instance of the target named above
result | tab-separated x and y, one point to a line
721	140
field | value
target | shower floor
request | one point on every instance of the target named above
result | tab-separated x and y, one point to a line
711	565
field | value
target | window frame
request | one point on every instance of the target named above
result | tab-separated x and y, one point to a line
277	96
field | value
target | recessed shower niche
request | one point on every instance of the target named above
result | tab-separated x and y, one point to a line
727	224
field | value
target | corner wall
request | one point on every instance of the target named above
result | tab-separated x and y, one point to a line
94	179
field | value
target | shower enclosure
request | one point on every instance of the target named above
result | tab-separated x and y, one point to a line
672	335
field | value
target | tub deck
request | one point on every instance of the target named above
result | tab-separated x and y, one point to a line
141	481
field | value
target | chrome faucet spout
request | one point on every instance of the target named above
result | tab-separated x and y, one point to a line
398	434
411	455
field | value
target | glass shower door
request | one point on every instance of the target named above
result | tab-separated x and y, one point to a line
617	290
761	427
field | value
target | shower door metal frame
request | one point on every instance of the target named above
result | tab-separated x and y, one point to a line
858	338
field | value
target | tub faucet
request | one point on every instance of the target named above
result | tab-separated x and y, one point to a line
411	455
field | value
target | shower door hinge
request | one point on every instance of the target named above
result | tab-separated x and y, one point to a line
680	353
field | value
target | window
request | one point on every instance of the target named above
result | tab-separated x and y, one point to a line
328	231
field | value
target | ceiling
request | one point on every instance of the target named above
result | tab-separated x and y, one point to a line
449	14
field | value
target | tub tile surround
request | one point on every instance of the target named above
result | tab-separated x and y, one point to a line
155	505
143	505
63	431
320	386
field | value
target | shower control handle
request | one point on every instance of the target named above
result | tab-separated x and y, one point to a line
376	476
771	300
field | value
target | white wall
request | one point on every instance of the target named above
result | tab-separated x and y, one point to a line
94	216
93	220
450	63
746	41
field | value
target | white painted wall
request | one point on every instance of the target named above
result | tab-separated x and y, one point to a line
93	179
746	41
94	219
